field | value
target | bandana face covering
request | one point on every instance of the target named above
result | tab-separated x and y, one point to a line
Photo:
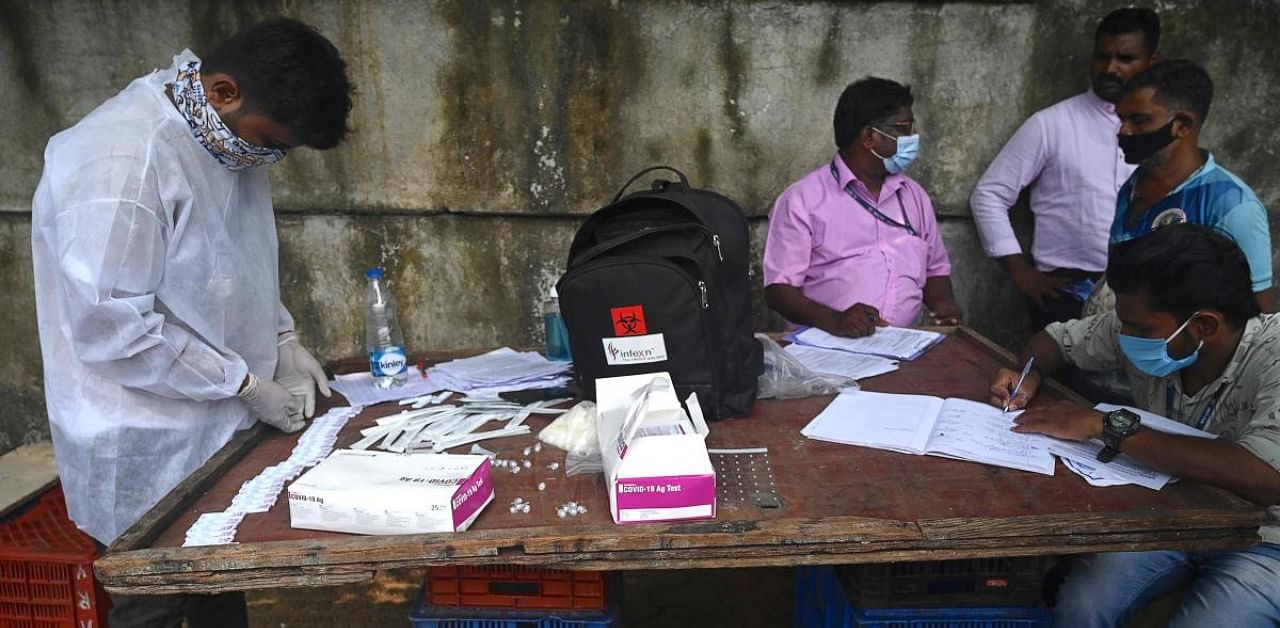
208	129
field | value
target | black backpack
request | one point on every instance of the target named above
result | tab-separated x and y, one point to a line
658	281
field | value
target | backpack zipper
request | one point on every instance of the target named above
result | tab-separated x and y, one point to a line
702	288
715	239
614	243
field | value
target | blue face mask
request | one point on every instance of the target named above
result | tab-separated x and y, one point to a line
908	149
1151	355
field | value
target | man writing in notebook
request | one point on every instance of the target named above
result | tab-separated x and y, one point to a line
1188	331
1067	156
855	244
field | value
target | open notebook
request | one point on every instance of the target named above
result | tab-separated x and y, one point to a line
920	424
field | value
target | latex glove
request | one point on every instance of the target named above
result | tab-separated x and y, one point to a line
270	403
299	372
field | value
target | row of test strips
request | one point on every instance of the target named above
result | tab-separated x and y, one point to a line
260	493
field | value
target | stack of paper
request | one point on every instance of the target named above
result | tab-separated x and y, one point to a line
898	343
259	494
1082	457
498	371
360	390
841	363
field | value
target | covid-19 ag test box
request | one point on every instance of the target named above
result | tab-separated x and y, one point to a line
655	454
368	492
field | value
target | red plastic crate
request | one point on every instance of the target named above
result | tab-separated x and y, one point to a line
46	570
515	588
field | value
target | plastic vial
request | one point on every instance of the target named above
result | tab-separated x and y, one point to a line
557	333
387	359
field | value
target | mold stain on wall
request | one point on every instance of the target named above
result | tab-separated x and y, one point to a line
533	95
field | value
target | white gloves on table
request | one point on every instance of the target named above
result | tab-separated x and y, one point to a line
270	403
299	372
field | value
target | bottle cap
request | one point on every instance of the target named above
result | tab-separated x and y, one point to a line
373	273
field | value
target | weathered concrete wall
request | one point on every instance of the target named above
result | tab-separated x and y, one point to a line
484	130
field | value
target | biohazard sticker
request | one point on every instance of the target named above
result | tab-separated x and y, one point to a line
628	321
635	349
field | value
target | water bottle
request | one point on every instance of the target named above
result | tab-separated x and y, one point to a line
387	360
557	333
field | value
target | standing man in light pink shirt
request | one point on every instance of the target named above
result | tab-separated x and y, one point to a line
1068	156
855	244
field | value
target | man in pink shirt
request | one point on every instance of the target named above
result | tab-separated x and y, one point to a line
1069	157
855	244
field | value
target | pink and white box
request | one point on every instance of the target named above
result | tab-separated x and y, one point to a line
372	492
655	454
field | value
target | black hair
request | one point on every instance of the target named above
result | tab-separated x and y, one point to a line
290	73
1183	268
865	102
1132	20
1178	84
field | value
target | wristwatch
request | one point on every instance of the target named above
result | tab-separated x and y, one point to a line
1116	426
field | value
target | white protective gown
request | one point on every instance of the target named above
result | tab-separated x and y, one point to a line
156	290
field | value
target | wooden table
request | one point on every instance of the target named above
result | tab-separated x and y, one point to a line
840	504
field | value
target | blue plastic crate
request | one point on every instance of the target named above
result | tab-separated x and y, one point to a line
822	603
427	616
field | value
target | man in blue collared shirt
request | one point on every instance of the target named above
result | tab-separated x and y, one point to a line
1161	114
1162	111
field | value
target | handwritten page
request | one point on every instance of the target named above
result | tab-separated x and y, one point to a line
842	363
898	343
978	432
895	422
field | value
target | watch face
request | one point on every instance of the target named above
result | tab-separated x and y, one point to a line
1123	420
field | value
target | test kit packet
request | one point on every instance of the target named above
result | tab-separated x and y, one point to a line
656	464
368	492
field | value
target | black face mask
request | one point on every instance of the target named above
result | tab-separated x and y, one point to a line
1139	147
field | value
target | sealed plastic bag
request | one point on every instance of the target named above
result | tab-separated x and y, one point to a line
575	432
785	377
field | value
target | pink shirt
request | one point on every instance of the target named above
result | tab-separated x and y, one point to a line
827	244
1069	156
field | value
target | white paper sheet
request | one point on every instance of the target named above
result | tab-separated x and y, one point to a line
898	343
1121	470
360	390
1082	457
842	363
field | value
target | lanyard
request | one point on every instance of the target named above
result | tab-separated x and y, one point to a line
876	213
1205	414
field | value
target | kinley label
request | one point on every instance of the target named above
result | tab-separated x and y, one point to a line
635	349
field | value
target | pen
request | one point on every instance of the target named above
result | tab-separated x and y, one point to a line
1017	387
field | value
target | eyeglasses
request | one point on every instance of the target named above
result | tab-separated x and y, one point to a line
896	129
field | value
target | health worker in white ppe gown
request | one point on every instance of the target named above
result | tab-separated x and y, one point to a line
157	283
